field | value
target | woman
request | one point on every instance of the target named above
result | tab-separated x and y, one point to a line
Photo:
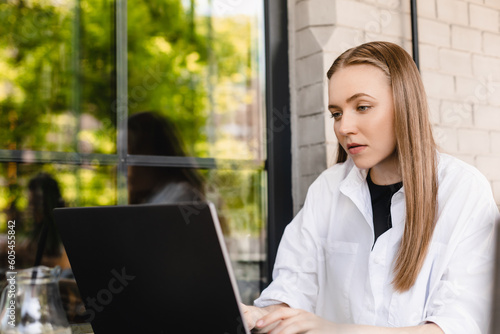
395	237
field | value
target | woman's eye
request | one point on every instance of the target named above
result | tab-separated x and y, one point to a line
336	115
363	108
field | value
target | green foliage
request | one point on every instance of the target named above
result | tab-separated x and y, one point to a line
238	195
58	90
36	77
167	62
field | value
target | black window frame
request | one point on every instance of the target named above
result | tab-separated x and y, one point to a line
279	156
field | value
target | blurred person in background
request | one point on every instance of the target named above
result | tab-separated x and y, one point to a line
149	133
44	195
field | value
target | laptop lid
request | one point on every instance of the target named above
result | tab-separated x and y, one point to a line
152	268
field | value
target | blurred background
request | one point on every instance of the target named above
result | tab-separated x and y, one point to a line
73	75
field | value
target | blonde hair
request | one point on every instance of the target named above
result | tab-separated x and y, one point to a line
415	148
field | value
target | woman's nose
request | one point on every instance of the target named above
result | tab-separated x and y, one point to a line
347	125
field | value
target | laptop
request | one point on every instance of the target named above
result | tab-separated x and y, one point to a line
152	268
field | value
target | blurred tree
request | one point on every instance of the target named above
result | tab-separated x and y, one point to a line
58	64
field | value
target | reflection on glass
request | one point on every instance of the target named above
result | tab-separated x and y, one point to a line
198	64
203	68
28	196
239	196
28	193
149	133
44	195
57	88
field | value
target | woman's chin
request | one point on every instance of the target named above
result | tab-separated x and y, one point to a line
362	164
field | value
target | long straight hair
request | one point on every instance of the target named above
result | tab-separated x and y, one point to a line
415	148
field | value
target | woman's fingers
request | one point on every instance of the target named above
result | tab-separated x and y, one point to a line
249	317
293	321
302	322
277	315
252	314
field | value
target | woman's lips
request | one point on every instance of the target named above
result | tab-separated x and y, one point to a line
355	149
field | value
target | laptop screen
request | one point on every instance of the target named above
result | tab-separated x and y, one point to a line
152	268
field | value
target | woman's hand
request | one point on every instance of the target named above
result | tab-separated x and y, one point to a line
252	314
288	321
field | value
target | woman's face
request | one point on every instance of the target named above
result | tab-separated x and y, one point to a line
361	103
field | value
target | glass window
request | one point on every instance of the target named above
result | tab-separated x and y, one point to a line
239	196
28	194
193	100
57	83
203	68
196	89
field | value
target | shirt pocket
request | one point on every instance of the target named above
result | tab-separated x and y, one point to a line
341	259
408	308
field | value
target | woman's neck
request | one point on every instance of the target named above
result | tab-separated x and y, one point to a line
386	172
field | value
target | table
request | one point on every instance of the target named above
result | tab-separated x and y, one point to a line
81	329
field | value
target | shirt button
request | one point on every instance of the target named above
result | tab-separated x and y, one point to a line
378	260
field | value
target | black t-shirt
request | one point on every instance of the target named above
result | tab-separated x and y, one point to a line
381	205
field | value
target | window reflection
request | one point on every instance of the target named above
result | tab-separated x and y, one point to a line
44	195
240	199
204	69
199	65
149	133
28	192
239	196
57	86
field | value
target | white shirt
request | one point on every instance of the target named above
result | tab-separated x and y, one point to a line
325	262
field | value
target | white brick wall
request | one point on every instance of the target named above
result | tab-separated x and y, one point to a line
473	141
466	39
455	62
459	44
427	8
489	165
434	32
484	18
446	139
485	65
491	42
495	142
453	11
455	114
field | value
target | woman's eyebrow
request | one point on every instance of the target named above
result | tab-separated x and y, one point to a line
350	99
355	96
